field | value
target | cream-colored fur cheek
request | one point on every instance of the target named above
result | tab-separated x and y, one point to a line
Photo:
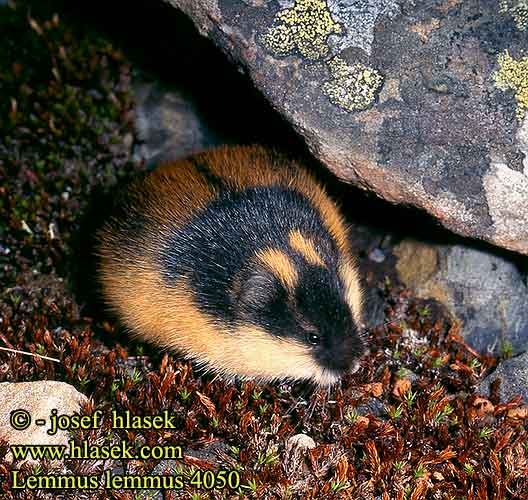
272	355
276	355
169	316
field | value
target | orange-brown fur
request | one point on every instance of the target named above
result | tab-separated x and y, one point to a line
279	264
306	248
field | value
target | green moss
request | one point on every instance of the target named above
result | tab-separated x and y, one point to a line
305	28
58	82
518	10
513	75
354	87
64	112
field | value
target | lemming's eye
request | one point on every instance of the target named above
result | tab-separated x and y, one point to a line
313	338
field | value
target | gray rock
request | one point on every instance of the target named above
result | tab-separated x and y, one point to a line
38	399
416	101
372	407
487	292
514	379
168	124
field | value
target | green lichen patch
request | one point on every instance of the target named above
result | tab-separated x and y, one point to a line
305	28
513	75
518	10
354	87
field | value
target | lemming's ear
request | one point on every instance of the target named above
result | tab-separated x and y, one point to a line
256	287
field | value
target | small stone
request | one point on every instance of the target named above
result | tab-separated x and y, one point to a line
38	399
169	125
295	451
514	378
484	290
377	256
299	442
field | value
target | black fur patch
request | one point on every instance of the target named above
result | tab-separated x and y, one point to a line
320	302
216	245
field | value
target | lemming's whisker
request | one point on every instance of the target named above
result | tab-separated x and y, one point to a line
301	397
313	404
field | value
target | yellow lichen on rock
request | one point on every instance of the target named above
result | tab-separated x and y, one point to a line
305	27
519	11
352	87
513	74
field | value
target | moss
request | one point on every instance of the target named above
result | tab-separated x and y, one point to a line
305	28
65	110
518	10
513	75
354	87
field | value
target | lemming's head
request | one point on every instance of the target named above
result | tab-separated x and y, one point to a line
310	309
